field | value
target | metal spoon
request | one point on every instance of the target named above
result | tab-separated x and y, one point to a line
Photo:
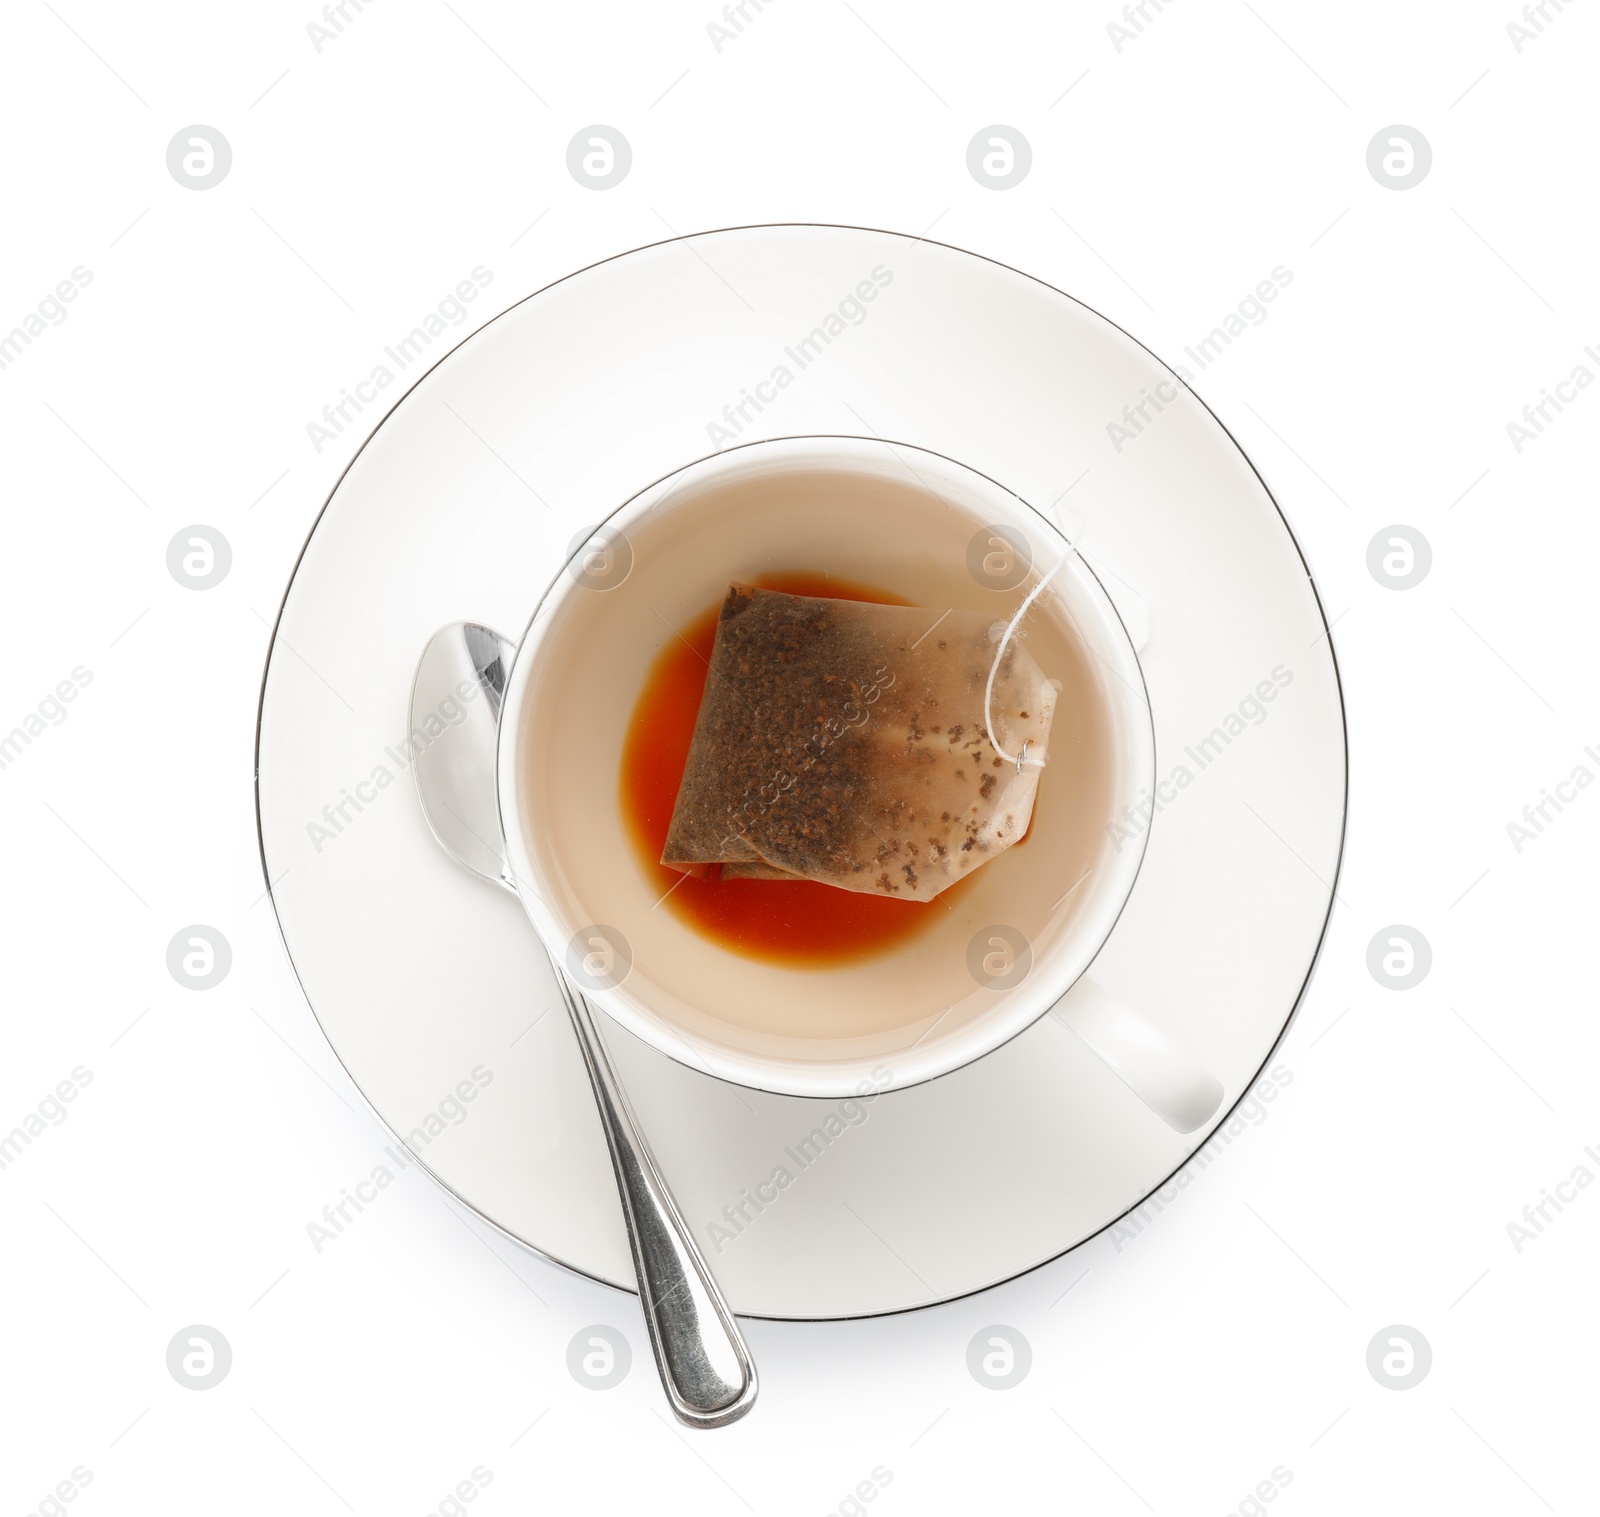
705	1366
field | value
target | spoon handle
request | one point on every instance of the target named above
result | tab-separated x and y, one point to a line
706	1369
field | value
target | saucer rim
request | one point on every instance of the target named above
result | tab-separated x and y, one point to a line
1328	633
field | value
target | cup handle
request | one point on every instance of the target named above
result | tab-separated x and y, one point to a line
1184	1094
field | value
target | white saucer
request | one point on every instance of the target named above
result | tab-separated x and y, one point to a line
431	986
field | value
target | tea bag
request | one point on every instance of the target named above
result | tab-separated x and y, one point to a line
847	742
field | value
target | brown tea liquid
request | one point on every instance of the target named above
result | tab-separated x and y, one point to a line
802	923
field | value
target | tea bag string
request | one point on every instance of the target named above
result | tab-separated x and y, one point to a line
1019	758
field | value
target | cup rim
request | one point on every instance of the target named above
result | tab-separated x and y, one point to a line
823	1079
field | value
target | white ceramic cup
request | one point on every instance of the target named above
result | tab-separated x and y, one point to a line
933	531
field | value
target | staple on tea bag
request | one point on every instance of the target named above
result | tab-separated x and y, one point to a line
884	749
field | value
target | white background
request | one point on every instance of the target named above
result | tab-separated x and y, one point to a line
1170	1373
